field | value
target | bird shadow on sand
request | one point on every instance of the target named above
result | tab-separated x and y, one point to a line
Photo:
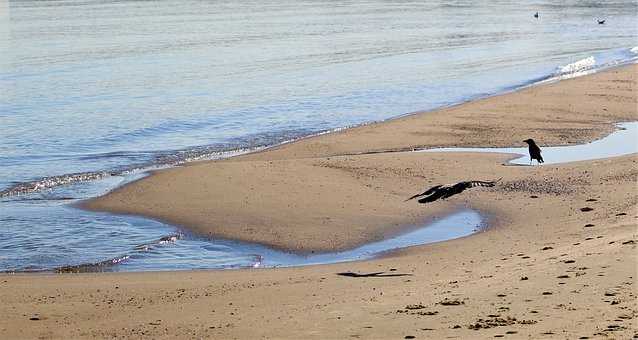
375	274
514	164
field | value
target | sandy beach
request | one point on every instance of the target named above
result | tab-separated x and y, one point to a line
545	267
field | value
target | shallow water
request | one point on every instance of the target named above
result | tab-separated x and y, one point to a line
623	141
93	93
105	242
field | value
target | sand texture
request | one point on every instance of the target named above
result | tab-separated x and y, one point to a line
545	269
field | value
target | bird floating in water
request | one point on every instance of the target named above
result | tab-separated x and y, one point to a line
536	15
444	191
534	151
601	22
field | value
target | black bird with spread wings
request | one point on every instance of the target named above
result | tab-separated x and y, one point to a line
444	191
534	151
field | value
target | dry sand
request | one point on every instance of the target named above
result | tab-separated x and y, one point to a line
545	269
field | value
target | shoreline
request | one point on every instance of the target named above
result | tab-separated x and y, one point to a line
316	157
558	261
26	187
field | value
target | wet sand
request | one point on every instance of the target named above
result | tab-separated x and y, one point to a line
559	260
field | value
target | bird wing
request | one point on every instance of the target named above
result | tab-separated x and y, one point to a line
534	150
427	192
434	196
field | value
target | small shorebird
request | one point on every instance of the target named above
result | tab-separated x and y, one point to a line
445	191
534	151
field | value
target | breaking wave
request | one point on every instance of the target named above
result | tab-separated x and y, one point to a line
579	66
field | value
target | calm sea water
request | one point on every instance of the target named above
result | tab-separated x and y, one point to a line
96	89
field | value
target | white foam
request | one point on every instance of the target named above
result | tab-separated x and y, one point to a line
578	66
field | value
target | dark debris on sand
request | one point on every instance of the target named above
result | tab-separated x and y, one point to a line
417	309
447	302
551	186
496	321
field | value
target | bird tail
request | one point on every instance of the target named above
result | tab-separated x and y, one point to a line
485	183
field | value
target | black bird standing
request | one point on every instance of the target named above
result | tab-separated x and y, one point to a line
536	15
534	151
445	191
